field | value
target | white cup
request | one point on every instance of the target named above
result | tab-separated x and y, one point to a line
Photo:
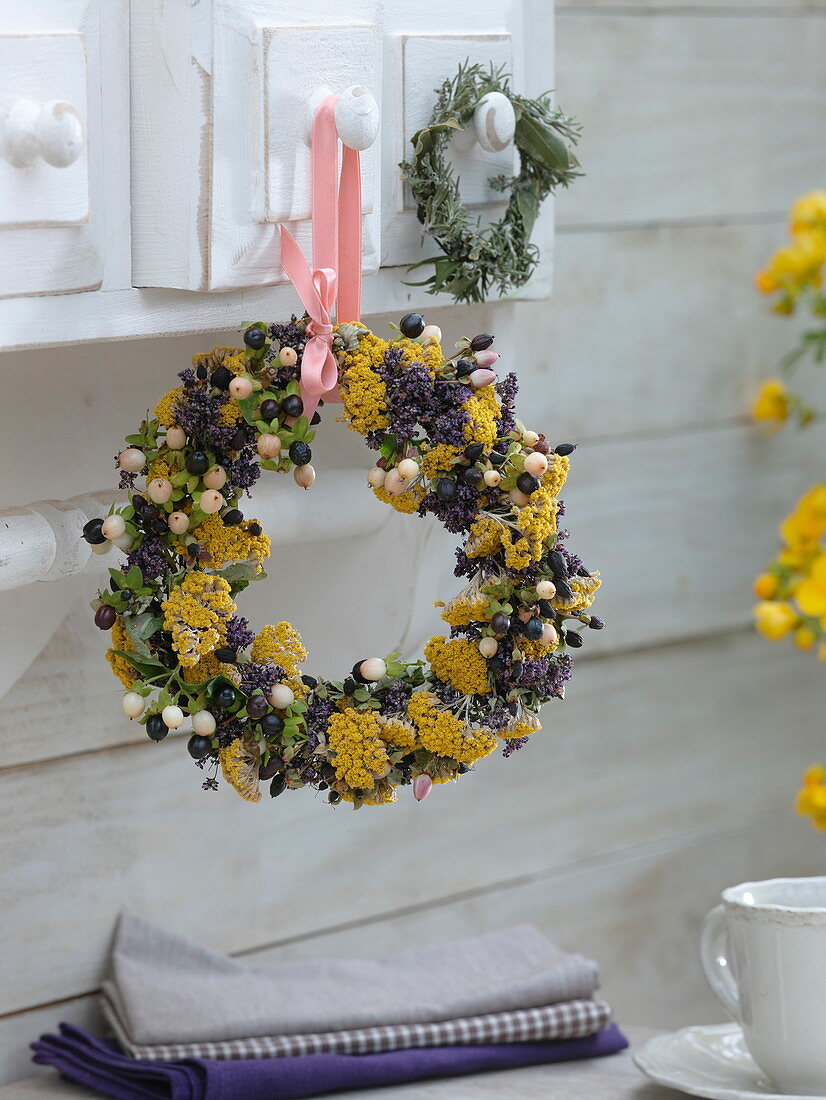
764	954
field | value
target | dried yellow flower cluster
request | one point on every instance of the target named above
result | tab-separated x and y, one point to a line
196	614
363	392
484	409
240	761
231	544
469	606
398	733
443	733
407	502
232	358
524	541
281	645
459	663
358	752
584	591
120	666
166	410
439	459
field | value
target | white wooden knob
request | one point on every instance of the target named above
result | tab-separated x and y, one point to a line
494	122
357	117
28	130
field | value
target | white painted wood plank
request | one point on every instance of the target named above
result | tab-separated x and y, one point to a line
647	746
690	115
743	8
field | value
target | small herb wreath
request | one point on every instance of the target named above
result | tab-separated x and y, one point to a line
448	444
477	259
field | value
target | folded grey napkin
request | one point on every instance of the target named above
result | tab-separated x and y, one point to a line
165	989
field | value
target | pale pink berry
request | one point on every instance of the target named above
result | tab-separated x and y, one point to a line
133	704
536	464
422	785
304	475
288	357
530	439
519	498
132	460
269	445
159	490
178	523
282	696
204	724
408	468
394	483
175	438
373	668
545	590
211	501
488	647
486	358
215	477
113	526
482	377
240	388
492	478
376	477
549	634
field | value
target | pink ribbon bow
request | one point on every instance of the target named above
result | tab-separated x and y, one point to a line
335	278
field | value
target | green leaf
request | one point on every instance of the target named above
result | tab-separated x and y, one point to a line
541	143
239	571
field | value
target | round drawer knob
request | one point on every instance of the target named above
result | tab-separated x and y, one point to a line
29	129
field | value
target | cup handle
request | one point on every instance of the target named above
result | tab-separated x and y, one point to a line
716	966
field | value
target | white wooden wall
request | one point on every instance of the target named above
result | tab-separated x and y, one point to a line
670	771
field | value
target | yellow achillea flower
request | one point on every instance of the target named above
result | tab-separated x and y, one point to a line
774	620
469	606
458	662
166	410
282	645
407	502
195	614
161	468
381	794
443	733
808	212
120	666
230	412
239	765
534	650
484	409
584	591
523	540
357	750
556	475
398	733
231	544
772	403
439	459
210	666
811	800
522	726
231	358
363	392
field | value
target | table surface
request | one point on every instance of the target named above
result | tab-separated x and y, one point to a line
611	1078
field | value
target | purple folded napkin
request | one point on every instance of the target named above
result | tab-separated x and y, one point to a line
98	1064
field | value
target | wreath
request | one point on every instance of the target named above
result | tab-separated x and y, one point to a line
501	255
447	444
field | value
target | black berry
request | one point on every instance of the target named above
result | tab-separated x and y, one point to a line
558	565
500	623
334	798
292	405
271	725
356	673
497	458
533	629
464	367
474	451
270	410
495	664
255	529
226	697
201	372
271	768
546	609
232	518
349	686
481	342
197	462
105	617
445	488
411	325
563	589
226	655
198	747
310	681
565	449
221	378
257	706
527	483
316	418
238	441
156	728
92	532
573	639
300	453
278	786
471	476
595	623
255	338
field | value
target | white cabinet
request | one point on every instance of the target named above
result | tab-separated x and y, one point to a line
194	120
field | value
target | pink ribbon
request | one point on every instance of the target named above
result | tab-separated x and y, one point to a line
334	281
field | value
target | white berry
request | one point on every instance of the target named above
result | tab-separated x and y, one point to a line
215	477
519	498
240	388
113	526
376	477
394	483
530	439
373	668
536	464
408	468
178	523
159	490
101	547
546	590
288	357
269	445
173	716
132	460
204	724
431	334
549	634
123	542
488	647
175	438
282	696
211	501
492	478
133	704
304	475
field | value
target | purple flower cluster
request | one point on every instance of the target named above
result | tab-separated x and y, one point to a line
198	414
243	471
239	633
507	389
259	677
149	557
318	714
450	415
229	730
410	396
456	515
512	745
291	335
547	676
396	698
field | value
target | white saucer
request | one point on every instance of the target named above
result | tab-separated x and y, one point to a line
709	1060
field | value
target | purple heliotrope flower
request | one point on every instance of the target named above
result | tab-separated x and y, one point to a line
456	515
239	633
513	744
259	677
507	390
149	557
396	698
